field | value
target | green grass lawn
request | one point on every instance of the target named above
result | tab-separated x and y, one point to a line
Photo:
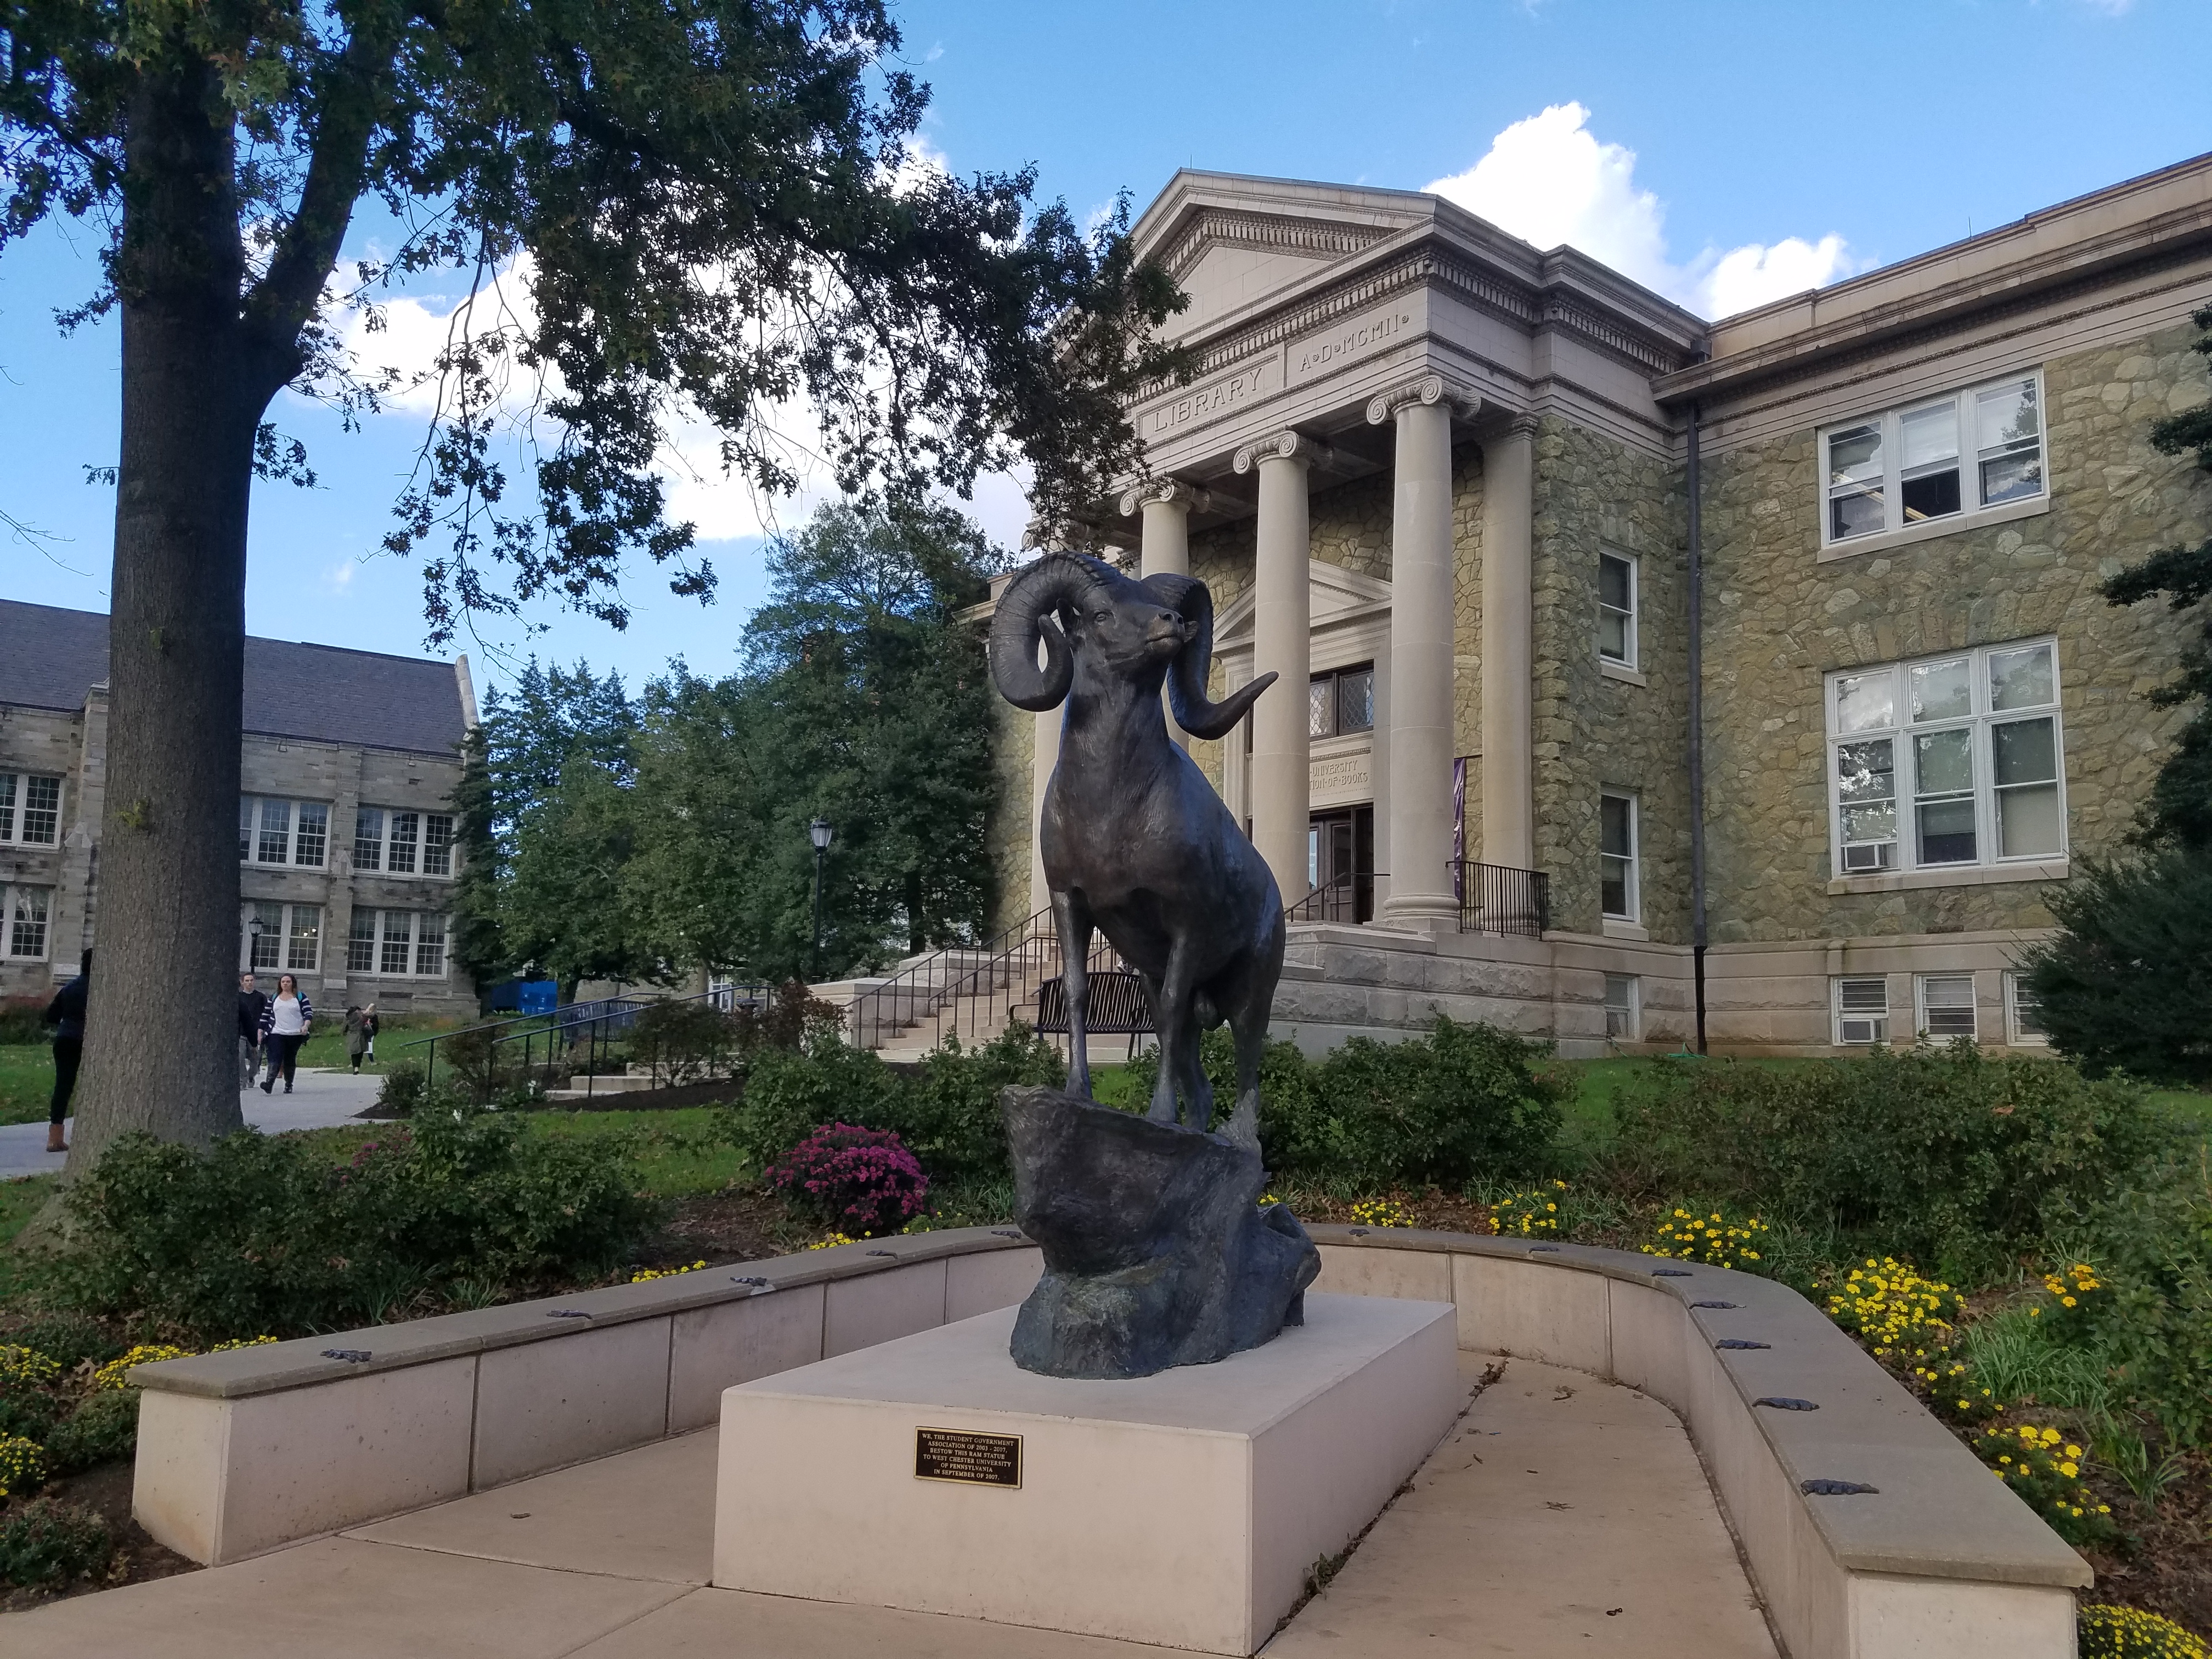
27	1081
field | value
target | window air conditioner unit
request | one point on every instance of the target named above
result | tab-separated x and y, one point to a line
1870	855
1863	1028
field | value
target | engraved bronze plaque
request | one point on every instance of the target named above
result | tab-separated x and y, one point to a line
971	1458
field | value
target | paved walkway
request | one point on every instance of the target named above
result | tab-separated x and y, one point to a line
318	1099
1563	1515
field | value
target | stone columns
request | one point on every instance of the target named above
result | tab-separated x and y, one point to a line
1282	641
1165	550
1509	480
1046	757
1421	619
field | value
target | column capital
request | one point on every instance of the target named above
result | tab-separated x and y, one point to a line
1173	491
1285	446
1521	426
1424	390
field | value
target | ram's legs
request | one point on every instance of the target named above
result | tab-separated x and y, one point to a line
1176	1006
1071	920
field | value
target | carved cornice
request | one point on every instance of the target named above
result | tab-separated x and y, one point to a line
1267	231
1173	491
1427	390
1515	302
1287	447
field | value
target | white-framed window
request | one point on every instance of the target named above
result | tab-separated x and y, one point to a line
1949	762
1617	576
402	843
1862	1008
27	912
397	943
2023	1011
30	809
1948	458
275	938
1624	1009
271	831
1618	899
1947	1005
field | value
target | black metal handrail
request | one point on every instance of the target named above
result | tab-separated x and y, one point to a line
1494	898
1336	901
601	1021
979	996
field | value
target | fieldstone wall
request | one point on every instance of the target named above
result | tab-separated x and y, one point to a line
1778	620
1593	732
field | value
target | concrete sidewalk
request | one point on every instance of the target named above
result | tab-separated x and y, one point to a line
1561	1515
319	1100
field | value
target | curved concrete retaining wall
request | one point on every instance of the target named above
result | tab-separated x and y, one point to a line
241	1452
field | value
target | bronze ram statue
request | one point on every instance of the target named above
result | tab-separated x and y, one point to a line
1136	843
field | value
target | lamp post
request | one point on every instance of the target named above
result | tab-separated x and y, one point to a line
253	930
820	833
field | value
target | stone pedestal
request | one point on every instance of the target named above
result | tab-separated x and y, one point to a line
1184	1510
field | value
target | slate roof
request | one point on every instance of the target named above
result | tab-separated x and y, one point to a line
50	658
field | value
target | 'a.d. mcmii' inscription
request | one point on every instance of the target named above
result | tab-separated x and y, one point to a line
967	1458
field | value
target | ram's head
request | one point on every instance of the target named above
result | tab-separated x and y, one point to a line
1126	627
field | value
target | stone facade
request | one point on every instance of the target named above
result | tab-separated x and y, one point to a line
345	733
1568	400
1780	621
1595	730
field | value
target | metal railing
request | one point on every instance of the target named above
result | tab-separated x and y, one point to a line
1495	899
970	992
1339	900
597	1026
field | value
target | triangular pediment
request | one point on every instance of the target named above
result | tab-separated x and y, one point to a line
1333	594
1229	241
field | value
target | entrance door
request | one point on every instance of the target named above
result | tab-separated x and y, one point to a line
1340	864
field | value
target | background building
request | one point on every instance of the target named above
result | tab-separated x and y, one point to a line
1445	481
346	851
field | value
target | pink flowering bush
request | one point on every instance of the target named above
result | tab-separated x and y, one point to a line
862	1181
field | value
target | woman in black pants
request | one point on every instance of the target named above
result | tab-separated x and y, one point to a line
65	1013
284	1025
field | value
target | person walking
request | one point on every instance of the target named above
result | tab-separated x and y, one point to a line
251	1003
65	1013
284	1026
368	1017
360	1033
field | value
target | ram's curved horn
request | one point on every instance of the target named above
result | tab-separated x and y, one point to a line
1194	712
1022	618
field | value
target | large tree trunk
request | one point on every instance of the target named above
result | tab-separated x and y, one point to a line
160	1050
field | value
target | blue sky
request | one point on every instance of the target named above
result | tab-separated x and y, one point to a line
1725	153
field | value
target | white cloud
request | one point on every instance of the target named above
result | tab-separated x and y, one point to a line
1549	180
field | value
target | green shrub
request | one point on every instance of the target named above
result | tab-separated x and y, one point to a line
103	1429
1941	1156
947	1112
68	1339
265	1234
686	1041
2153	1313
402	1092
790	1093
2125	981
19	1023
1462	1103
28	1413
46	1545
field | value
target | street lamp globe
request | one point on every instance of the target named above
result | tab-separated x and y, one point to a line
819	833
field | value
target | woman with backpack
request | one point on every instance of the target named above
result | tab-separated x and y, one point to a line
284	1025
